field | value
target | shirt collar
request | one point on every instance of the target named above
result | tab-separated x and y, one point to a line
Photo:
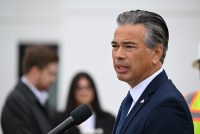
137	91
41	96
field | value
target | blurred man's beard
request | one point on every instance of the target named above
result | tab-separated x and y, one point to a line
42	87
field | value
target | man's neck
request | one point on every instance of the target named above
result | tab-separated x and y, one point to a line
147	74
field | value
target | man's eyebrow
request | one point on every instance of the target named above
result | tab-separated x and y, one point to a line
124	42
128	42
113	42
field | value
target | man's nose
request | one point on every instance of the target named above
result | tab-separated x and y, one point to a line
120	53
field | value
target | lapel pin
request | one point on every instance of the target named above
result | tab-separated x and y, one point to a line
142	101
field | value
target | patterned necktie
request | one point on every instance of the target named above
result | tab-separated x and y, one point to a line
125	108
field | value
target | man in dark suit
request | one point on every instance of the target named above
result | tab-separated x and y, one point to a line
153	104
26	110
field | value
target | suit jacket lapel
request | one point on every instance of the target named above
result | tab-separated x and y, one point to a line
41	119
118	118
37	110
144	98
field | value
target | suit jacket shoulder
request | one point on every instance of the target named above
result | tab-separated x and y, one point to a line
105	122
161	109
22	113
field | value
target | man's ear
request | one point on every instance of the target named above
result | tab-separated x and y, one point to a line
158	52
34	70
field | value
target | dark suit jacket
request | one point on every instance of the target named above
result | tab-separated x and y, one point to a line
23	114
161	109
105	121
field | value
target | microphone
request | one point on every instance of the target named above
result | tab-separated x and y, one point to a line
77	116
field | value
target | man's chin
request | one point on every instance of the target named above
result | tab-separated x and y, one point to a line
43	88
121	78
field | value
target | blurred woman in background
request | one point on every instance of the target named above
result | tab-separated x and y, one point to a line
83	91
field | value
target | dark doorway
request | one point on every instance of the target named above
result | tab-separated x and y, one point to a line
21	51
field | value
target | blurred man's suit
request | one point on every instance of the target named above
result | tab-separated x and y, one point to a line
159	101
27	111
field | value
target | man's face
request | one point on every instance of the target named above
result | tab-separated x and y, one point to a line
132	59
46	76
84	93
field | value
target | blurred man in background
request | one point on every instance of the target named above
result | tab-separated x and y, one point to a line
193	99
26	110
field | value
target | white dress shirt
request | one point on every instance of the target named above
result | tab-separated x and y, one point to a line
137	91
41	96
88	126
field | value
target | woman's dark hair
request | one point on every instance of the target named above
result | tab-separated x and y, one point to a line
71	102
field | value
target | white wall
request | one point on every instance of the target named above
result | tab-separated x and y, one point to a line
84	30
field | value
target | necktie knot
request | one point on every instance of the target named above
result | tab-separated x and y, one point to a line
129	98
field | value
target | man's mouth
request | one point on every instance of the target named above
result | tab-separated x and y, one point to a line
121	68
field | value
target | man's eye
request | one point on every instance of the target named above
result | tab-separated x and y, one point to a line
115	47
129	47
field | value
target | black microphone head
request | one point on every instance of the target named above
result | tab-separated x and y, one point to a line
81	113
